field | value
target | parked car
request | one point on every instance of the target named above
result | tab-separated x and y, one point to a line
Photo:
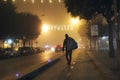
25	50
39	49
10	52
1	50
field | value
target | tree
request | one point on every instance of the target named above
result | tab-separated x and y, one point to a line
101	22
102	25
27	27
7	12
24	26
88	8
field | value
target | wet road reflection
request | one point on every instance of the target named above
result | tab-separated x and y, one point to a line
17	67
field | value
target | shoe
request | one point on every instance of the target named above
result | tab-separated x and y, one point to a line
69	63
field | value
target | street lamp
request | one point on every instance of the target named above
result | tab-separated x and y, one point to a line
45	28
75	20
10	41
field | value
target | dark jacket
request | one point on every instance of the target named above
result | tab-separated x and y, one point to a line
66	43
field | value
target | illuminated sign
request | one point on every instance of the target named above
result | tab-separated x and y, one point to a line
94	30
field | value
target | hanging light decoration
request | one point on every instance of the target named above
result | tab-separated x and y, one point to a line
50	1
41	1
33	1
59	1
5	0
24	0
13	0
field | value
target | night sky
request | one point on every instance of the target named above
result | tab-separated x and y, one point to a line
52	14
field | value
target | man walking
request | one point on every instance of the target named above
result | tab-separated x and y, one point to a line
67	47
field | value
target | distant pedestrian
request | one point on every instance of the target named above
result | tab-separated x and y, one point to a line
68	45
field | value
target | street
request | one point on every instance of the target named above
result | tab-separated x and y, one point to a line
53	66
11	69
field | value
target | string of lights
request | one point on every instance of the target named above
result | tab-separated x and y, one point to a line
57	28
33	1
63	28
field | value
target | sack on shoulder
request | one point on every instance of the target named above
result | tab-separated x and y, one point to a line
72	44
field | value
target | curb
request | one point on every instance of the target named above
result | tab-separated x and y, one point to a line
38	71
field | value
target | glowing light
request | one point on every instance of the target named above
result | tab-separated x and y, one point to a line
17	74
65	28
45	28
54	27
49	60
46	46
52	49
75	20
58	28
33	1
104	37
13	0
10	41
5	0
50	1
41	1
59	1
6	45
16	49
24	0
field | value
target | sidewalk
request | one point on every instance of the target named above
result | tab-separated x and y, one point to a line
81	69
108	66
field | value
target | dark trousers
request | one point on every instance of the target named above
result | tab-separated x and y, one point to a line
69	56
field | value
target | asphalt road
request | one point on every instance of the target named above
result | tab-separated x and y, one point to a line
14	68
